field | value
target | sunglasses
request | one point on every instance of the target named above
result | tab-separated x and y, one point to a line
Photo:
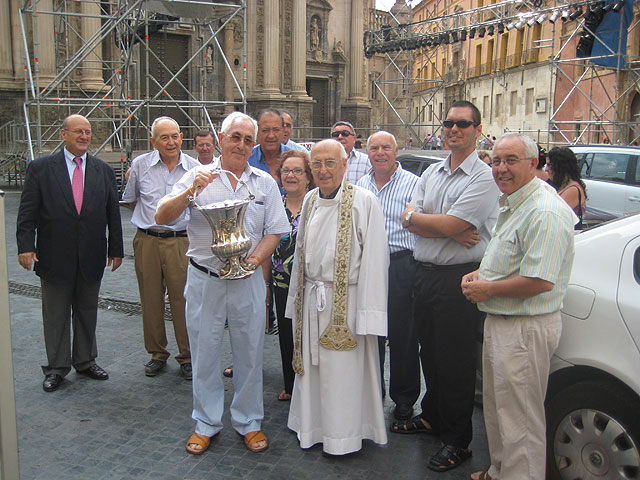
459	123
344	133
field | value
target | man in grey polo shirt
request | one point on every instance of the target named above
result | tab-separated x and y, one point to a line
452	211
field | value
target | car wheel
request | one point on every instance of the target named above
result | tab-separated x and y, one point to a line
592	433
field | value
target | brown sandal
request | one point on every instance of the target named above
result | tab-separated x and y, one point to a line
284	396
481	475
251	439
201	440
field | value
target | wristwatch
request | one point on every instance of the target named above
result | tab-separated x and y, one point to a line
407	217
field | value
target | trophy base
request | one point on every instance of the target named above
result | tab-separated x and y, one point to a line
235	268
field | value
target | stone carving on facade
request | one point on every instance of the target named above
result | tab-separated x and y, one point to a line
338	51
315	37
259	43
208	59
285	49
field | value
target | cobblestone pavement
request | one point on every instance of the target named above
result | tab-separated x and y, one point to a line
135	427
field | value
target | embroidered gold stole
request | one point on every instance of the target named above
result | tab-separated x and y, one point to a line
337	335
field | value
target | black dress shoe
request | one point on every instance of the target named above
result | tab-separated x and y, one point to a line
51	382
403	412
95	371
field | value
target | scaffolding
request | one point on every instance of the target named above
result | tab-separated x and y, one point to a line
611	113
113	65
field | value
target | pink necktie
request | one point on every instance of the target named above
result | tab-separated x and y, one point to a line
76	184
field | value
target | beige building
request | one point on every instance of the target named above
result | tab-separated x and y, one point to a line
521	70
181	58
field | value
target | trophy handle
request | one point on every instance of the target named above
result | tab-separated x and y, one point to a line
192	198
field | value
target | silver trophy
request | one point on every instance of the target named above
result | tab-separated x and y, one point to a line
230	241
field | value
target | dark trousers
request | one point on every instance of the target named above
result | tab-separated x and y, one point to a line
404	363
65	306
285	335
447	326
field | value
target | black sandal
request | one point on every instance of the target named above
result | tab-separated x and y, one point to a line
413	425
448	457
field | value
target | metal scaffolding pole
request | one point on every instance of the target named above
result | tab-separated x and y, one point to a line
447	26
112	64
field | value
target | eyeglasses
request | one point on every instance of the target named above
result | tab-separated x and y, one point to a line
79	131
237	138
509	162
328	164
459	123
344	133
296	171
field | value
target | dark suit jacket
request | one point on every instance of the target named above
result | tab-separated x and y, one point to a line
68	242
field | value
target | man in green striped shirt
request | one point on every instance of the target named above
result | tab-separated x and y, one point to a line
521	282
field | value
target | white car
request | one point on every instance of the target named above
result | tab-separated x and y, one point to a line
593	400
612	176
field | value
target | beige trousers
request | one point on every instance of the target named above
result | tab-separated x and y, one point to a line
160	262
516	355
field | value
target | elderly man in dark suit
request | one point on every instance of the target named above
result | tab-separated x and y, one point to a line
68	201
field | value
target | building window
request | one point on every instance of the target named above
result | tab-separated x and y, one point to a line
529	101
485	106
504	48
478	65
490	47
498	108
518	52
513	103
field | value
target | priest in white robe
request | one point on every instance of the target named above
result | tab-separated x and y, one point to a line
338	303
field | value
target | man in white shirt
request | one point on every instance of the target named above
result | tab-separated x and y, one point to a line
159	250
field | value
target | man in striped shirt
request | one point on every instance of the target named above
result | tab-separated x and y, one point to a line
521	282
394	186
358	162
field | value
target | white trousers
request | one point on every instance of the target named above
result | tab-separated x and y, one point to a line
211	301
516	356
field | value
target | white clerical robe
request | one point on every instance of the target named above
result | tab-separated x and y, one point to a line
338	399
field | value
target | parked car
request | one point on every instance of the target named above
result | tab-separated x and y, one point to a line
612	176
417	162
593	400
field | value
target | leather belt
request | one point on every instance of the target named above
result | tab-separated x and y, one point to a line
203	269
400	254
164	233
433	266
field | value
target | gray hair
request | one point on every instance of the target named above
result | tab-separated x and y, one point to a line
347	124
395	144
155	123
235	116
530	146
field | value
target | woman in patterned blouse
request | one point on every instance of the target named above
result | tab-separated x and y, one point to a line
295	177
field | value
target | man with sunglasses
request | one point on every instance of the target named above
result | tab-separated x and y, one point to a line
159	250
68	202
357	162
212	300
453	210
521	282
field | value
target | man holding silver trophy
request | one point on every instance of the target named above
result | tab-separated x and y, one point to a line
237	218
